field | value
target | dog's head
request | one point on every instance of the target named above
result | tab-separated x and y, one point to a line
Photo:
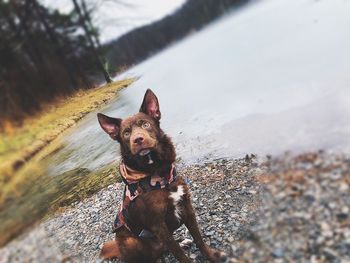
143	144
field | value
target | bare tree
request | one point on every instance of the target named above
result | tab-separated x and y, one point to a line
94	51
87	17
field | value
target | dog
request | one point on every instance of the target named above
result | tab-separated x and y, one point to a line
156	201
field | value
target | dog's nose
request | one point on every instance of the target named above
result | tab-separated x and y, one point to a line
138	140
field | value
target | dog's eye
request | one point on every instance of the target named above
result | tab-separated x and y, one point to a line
126	134
146	125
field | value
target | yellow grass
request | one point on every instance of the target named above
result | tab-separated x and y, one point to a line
18	145
34	195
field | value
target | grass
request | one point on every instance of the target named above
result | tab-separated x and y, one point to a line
27	193
20	144
39	196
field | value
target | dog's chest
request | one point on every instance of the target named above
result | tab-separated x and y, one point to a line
152	208
137	184
176	197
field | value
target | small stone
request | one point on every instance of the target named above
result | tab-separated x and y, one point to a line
209	233
342	216
230	239
330	254
278	252
325	226
313	259
310	198
343	187
345	209
320	240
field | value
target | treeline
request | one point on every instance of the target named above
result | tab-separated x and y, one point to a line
143	42
43	53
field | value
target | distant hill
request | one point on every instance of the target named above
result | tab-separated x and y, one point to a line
142	42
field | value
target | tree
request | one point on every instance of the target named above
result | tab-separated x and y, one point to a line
43	53
83	22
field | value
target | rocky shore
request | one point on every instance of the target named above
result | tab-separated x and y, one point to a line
291	208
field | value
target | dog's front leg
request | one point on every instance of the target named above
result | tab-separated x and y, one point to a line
190	222
162	232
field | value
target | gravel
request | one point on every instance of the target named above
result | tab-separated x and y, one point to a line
304	216
290	208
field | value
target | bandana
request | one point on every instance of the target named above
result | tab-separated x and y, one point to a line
137	183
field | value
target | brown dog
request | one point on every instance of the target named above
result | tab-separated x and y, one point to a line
155	202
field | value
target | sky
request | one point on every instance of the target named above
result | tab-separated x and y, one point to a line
116	17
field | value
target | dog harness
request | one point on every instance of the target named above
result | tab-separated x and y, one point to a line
137	183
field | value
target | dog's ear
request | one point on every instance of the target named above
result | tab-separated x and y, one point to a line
110	125
150	105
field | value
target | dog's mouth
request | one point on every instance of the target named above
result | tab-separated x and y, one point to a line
144	152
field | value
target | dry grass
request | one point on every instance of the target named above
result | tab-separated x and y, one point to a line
29	194
19	144
33	195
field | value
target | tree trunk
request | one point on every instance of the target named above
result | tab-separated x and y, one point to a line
91	42
88	20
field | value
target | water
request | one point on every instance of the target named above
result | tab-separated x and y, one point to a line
271	77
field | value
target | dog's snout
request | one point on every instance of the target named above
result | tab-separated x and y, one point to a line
138	139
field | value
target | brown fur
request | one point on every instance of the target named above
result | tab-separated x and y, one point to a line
155	210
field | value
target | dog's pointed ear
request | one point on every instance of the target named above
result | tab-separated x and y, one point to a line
110	125
150	105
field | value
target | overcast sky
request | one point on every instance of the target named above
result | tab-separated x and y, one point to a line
114	19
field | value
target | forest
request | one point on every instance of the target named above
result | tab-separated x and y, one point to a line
145	41
45	54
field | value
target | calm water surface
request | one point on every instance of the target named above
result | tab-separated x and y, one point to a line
269	78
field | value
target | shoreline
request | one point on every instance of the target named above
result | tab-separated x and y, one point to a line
22	202
64	113
245	208
77	233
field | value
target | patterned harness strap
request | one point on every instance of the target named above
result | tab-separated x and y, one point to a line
137	183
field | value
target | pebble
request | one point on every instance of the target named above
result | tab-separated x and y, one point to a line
278	252
290	208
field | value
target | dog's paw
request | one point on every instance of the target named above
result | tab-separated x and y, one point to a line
220	257
186	243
